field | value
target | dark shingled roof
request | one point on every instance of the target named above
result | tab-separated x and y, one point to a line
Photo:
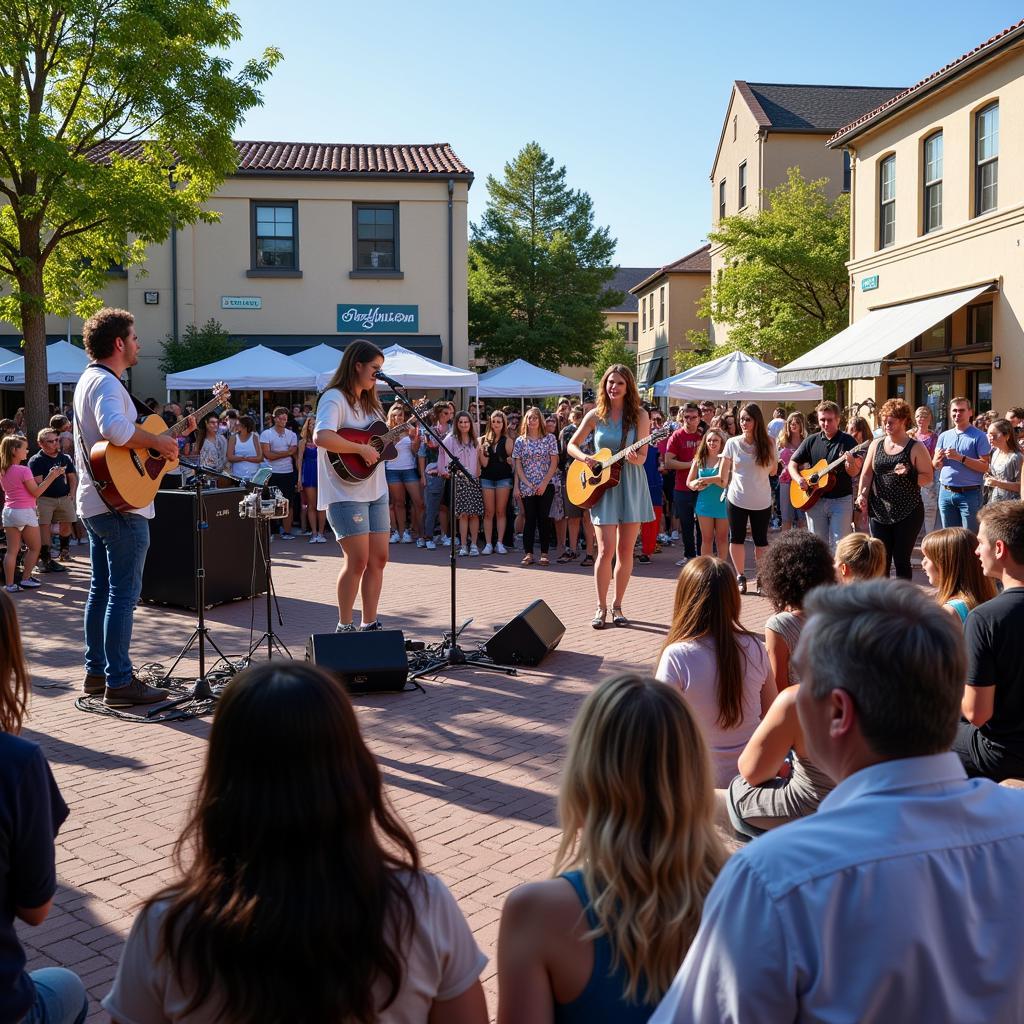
810	108
435	159
624	279
980	53
696	262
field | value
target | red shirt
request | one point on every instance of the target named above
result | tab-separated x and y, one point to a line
683	445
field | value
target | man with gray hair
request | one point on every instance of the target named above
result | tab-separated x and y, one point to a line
895	901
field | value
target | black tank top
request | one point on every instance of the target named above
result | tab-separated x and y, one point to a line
893	497
498	467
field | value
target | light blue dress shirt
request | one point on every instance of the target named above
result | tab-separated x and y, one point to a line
971	443
902	899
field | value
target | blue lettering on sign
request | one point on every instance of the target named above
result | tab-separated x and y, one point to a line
363	319
868	284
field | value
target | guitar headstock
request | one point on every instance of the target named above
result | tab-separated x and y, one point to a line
221	391
660	433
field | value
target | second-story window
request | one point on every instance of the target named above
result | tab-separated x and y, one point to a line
721	199
643	310
376	236
847	172
275	236
986	159
661	305
887	202
933	182
743	184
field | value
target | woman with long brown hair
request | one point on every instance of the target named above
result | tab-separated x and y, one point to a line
403	479
603	939
300	896
617	421
720	666
357	512
952	567
496	479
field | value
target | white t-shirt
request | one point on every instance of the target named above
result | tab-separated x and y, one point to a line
693	666
441	962
103	411
273	442
332	413
407	451
749	484
775	428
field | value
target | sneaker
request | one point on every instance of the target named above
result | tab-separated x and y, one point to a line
420	542
306	533
463	552
643	559
44	567
52	566
395	537
12	588
474	551
284	536
663	538
321	539
445	540
741	582
682	562
345	627
406	537
30	584
430	546
488	549
313	538
675	535
65	555
500	548
371	627
94	685
135	692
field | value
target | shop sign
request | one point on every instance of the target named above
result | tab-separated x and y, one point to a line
365	319
241	302
869	284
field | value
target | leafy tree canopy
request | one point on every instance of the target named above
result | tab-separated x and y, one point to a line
613	349
197	346
538	268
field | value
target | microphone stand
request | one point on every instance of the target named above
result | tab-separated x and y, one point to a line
452	656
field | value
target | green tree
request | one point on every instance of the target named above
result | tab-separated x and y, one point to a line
196	347
784	287
613	349
538	268
76	77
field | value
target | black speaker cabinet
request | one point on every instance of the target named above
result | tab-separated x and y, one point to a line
233	563
365	662
527	638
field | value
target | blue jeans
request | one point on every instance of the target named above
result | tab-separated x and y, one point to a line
357	518
959	509
432	501
117	549
684	505
60	996
831	519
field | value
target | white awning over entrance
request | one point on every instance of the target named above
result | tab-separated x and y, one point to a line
859	350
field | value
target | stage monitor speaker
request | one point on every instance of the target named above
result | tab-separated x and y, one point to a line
372	662
528	638
234	569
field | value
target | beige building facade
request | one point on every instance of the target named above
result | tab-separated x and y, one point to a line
315	244
938	223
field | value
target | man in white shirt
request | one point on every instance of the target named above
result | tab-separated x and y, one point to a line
279	447
118	541
898	900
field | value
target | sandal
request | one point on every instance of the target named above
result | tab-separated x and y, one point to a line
527	559
598	620
618	619
543	560
586	560
565	556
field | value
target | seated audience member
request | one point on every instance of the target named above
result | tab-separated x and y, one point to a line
602	940
990	741
950	561
796	563
905	871
31	812
300	895
859	556
721	667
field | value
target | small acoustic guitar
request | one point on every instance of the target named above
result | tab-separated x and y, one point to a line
351	467
128	478
820	480
585	485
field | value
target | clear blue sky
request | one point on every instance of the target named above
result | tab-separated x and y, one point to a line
629	97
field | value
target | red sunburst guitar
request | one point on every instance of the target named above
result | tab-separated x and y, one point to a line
586	485
128	478
351	466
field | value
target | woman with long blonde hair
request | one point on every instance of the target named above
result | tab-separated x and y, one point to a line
403	477
952	567
791	436
617	421
535	457
638	855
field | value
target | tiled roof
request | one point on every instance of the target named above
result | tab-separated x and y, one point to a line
696	262
341	159
623	281
965	60
810	108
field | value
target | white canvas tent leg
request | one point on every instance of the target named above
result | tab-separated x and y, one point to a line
60	397
261	411
522	406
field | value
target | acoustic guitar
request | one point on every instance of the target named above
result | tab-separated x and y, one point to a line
128	478
820	480
351	467
585	485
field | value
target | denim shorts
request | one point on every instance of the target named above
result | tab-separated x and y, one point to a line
19	518
356	518
402	476
496	485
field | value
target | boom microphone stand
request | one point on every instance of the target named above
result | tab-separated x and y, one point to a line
273	641
452	656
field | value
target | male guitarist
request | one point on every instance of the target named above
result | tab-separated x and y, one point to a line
118	541
831	517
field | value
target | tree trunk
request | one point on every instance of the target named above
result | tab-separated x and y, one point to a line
33	319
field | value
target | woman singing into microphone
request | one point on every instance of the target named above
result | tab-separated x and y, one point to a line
357	512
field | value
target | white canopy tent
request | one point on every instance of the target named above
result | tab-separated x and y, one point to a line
253	369
520	379
736	377
64	365
321	358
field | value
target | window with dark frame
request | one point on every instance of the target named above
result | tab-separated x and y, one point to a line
979	324
743	184
661	305
935	339
847	171
635	326
721	199
643	309
979	389
932	163
887	202
376	236
623	329
986	159
275	236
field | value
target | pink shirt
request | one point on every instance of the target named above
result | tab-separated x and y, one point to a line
465	453
13	483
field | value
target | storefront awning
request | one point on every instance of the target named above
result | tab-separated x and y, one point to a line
649	372
859	350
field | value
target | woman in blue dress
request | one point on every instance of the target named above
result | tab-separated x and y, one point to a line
706	478
618	421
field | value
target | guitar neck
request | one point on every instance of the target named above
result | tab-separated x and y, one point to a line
842	458
403	428
629	451
178	428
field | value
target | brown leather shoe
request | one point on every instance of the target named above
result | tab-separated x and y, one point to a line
94	685
135	692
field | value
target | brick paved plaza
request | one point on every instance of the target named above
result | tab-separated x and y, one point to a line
473	765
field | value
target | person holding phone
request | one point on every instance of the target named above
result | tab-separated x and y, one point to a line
56	504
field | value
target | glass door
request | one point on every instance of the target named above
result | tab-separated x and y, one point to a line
933	391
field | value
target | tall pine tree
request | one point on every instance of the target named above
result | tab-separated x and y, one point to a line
538	268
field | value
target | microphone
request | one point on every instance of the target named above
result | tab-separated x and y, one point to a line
390	381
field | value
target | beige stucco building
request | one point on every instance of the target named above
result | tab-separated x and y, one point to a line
312	240
769	128
937	248
668	300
